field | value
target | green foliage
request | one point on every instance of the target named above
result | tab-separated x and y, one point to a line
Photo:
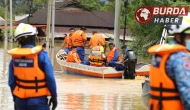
1	11
22	6
91	4
110	6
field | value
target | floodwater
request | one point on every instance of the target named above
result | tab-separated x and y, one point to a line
77	92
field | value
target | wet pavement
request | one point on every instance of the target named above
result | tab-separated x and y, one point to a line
77	92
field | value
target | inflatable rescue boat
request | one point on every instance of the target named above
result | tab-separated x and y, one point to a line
104	72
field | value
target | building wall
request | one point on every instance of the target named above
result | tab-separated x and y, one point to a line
2	21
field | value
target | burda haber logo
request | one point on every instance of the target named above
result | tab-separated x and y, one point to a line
161	15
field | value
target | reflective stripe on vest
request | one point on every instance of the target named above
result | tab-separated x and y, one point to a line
163	92
30	79
35	81
96	58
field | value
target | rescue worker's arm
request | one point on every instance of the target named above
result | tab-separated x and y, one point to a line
90	42
100	42
84	38
47	68
71	41
104	43
103	56
84	43
125	55
116	55
105	48
11	80
179	70
123	59
63	45
76	59
67	60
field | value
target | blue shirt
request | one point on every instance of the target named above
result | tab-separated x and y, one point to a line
178	69
45	65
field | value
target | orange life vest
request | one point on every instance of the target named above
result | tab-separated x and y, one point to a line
111	55
70	57
68	41
30	79
163	92
77	38
97	39
96	58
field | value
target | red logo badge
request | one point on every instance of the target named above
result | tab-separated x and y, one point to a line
143	15
161	14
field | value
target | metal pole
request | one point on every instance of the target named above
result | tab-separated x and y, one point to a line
117	23
125	21
48	24
28	12
124	31
5	35
30	8
53	23
164	36
11	19
52	56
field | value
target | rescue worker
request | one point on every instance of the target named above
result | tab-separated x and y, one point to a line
31	74
96	40
124	53
78	39
130	61
170	70
67	41
73	56
113	55
97	56
124	64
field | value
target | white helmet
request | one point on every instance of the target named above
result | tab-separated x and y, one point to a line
24	30
184	27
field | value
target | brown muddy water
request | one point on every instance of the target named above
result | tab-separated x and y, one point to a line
77	92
